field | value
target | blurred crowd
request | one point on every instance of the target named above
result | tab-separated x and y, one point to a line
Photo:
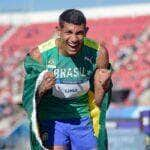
129	55
132	69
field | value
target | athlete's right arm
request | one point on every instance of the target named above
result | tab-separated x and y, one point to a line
48	79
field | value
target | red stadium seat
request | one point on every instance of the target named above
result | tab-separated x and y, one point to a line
125	39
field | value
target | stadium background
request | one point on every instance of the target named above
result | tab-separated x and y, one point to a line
125	28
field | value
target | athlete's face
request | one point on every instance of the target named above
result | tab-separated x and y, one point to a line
71	36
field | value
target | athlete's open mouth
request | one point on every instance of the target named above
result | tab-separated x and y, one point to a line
73	46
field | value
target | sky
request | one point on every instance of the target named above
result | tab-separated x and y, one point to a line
44	5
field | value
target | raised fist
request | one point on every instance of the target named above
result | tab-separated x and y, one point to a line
47	83
102	79
101	84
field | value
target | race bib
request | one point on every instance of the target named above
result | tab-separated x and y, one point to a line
70	90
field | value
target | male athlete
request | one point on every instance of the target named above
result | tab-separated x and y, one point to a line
66	84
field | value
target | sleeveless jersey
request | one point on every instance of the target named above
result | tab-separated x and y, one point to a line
69	97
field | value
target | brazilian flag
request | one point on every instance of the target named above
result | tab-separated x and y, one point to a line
34	74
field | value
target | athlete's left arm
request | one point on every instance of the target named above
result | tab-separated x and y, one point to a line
102	75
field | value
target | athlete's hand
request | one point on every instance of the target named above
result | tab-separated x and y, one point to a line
101	84
47	83
102	79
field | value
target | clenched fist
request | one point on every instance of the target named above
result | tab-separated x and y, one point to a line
101	84
47	83
102	78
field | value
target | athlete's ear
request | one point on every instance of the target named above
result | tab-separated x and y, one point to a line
86	30
58	30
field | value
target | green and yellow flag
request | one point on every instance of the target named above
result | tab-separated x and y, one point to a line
34	74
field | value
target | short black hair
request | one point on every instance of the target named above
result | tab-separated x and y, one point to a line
73	16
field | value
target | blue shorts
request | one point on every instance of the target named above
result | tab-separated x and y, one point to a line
75	134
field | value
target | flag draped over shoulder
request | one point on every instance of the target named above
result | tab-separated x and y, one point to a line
34	75
33	70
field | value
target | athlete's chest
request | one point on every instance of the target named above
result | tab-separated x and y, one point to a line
75	69
72	75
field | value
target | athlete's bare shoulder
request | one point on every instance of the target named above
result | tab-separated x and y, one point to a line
103	57
35	54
